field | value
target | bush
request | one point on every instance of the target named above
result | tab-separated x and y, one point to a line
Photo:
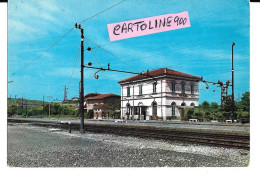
219	117
34	111
207	116
190	113
245	117
11	110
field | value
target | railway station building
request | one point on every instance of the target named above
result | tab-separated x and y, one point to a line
100	103
159	94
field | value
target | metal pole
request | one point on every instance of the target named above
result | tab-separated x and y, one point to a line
49	105
161	101
233	102
221	95
79	99
16	106
133	111
43	106
82	130
121	109
26	108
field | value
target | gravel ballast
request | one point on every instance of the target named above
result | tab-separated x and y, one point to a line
33	146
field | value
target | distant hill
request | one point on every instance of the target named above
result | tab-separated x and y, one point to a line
35	103
25	102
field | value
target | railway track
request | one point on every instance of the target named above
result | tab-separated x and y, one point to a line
212	139
241	141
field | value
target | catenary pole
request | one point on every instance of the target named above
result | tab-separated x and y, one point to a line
82	130
233	102
81	104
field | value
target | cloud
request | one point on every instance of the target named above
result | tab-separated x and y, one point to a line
48	5
28	20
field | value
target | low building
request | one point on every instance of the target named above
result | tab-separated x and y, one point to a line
158	94
99	111
100	103
75	99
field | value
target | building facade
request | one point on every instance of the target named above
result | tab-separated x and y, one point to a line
158	94
100	103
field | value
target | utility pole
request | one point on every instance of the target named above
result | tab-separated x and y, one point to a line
16	105
65	94
81	113
79	99
42	105
133	111
49	105
233	102
49	110
26	108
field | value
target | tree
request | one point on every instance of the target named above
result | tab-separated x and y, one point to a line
207	115
245	102
245	117
90	114
11	110
219	116
190	113
202	114
227	107
214	105
205	105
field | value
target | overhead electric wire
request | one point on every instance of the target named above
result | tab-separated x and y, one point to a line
108	52
83	21
44	51
94	55
167	46
182	43
73	69
64	36
195	19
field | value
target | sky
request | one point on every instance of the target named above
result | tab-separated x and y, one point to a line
38	68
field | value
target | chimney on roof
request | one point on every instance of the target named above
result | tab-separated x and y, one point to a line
165	70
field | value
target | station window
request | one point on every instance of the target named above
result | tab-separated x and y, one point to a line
182	87
140	89
154	87
173	108
192	89
173	87
128	91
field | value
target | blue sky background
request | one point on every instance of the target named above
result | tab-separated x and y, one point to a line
204	49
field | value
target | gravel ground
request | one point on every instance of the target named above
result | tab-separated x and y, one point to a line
32	146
